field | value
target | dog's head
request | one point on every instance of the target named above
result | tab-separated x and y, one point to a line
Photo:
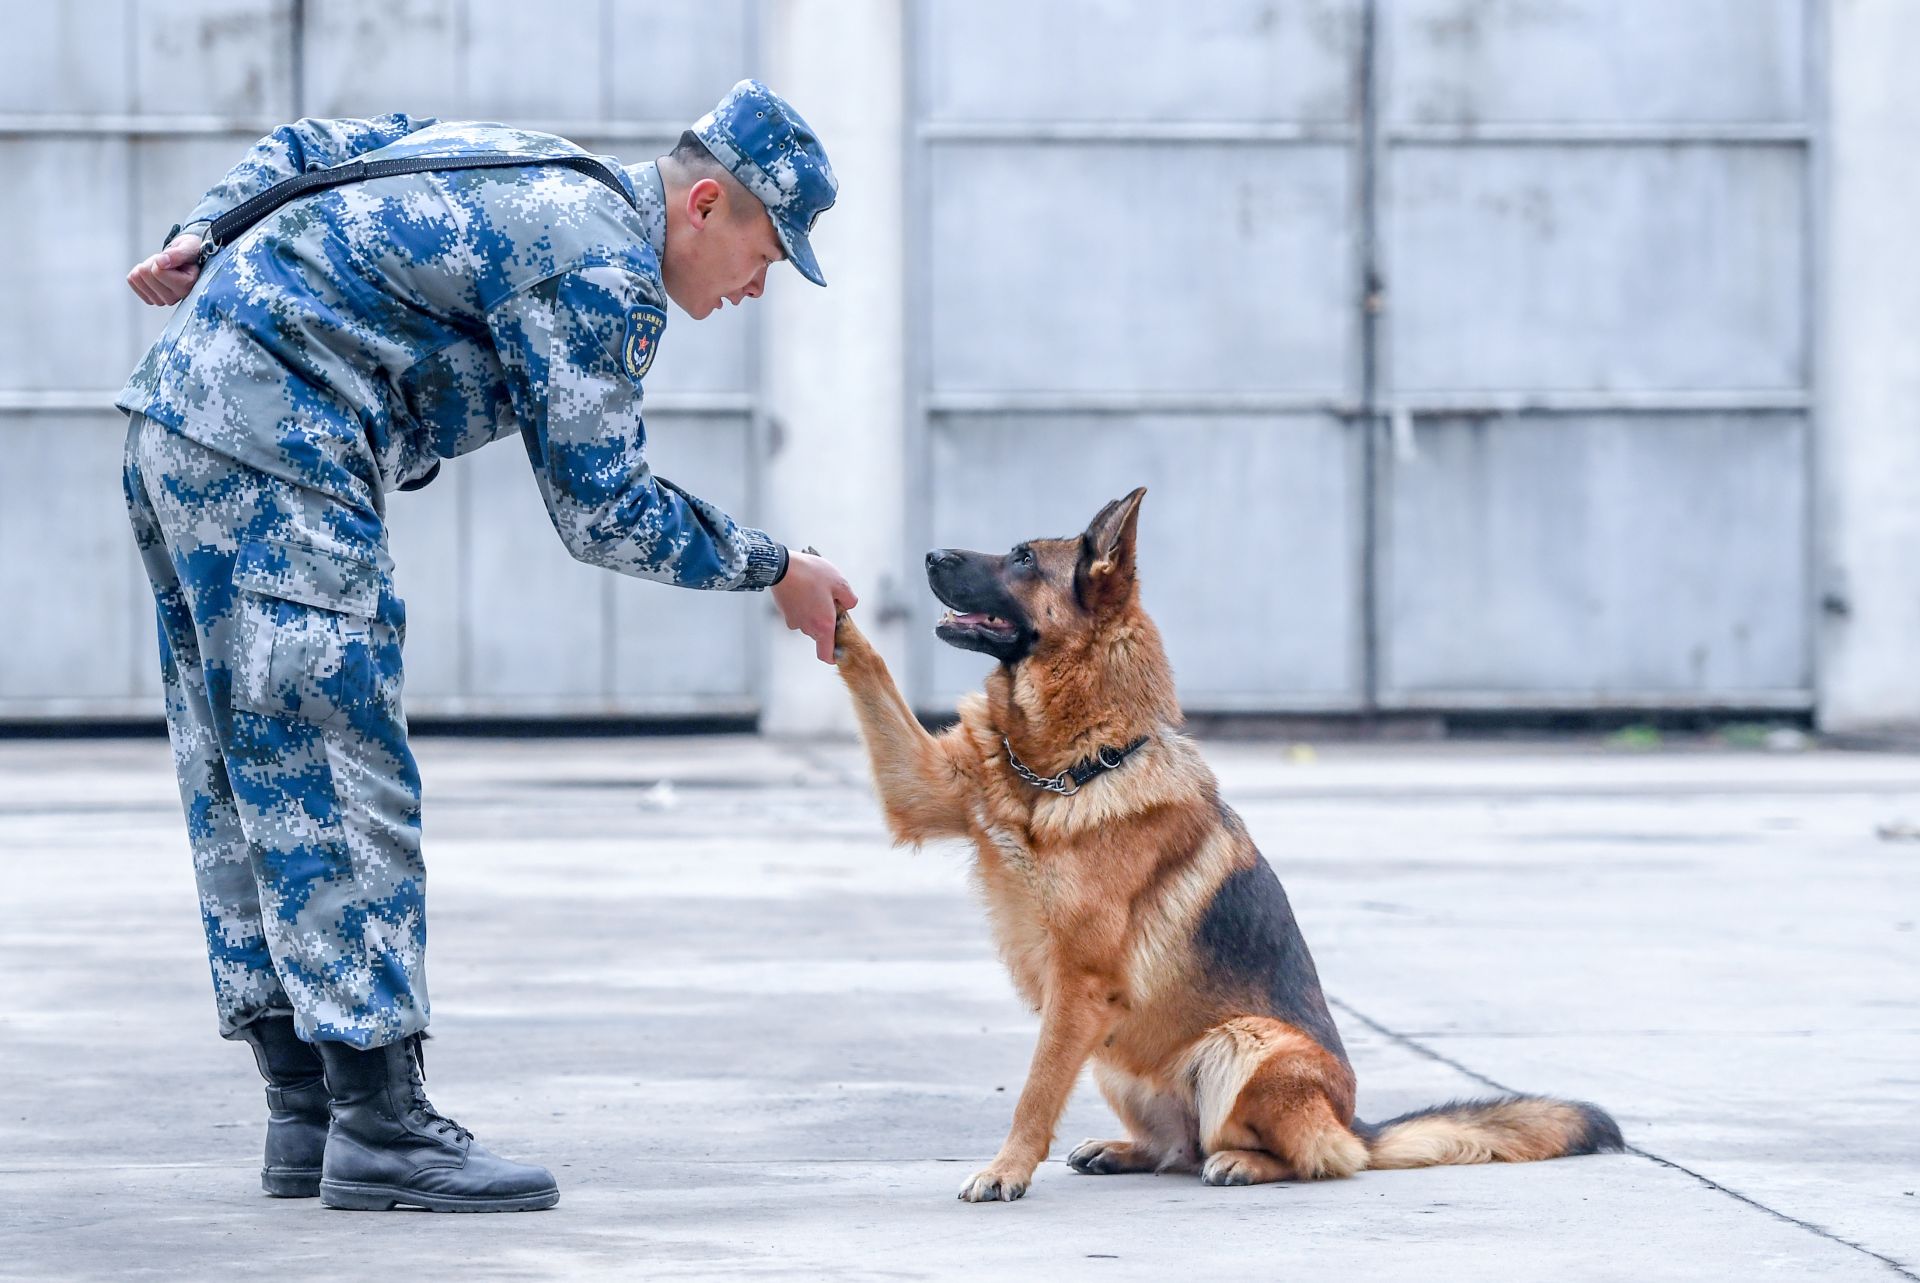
1045	595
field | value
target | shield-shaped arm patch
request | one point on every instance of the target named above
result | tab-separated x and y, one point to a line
644	327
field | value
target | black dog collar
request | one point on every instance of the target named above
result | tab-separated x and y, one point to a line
1069	781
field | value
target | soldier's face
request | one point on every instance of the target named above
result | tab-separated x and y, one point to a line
718	251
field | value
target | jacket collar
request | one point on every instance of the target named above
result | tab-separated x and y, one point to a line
650	198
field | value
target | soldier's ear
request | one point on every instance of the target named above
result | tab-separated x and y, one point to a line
1107	548
703	198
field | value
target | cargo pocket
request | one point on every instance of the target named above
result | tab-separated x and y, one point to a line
306	635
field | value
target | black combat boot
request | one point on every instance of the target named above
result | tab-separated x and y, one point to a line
296	1107
388	1145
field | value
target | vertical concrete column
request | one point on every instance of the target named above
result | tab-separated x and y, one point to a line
1869	630
834	357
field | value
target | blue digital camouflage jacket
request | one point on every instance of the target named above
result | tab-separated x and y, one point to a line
362	334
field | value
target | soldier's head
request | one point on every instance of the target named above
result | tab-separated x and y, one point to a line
720	239
743	189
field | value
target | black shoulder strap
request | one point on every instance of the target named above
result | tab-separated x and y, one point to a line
237	220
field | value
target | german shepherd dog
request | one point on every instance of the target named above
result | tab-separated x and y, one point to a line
1128	900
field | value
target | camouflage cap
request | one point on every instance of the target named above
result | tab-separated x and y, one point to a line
777	157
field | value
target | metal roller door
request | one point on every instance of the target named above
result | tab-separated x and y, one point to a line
1594	229
1138	257
1465	345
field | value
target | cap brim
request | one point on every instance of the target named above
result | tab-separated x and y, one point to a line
799	252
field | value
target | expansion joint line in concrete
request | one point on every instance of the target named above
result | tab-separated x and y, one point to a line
1421	1049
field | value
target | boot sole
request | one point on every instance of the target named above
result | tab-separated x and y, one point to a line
290	1182
349	1196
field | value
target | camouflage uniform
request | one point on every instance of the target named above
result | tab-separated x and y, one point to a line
336	352
280	645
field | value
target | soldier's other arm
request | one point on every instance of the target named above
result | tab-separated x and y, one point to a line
305	145
299	148
574	382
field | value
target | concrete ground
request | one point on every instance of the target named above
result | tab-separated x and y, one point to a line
754	1041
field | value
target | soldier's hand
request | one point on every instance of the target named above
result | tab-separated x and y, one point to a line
811	596
168	276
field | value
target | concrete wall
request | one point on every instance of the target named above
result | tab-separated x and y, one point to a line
1870	420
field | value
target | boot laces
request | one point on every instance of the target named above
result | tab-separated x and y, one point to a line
422	1107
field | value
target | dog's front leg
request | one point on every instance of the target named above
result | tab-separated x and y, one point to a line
1077	1014
921	786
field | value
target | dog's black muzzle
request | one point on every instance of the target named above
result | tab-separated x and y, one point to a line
985	615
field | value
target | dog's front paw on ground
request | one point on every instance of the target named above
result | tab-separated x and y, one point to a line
995	1185
1106	1158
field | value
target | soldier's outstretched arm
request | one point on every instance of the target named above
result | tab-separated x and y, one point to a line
575	348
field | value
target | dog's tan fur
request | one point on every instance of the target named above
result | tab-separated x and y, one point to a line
1096	899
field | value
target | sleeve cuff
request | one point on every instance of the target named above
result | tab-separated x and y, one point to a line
766	561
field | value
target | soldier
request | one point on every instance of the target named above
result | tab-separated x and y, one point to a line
337	352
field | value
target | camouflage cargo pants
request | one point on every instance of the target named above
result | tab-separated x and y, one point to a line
280	643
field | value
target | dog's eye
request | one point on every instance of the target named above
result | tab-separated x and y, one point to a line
1023	556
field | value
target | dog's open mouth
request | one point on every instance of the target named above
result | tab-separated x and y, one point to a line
976	622
981	615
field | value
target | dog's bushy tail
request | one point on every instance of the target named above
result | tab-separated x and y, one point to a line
1505	1129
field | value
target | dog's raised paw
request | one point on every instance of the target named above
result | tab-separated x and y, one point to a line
847	638
990	1186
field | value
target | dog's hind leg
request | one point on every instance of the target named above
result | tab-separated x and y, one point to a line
1270	1102
1164	1134
922	787
1244	1167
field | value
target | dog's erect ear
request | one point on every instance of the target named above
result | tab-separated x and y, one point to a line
1109	542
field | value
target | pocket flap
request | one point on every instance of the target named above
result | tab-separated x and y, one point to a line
311	576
